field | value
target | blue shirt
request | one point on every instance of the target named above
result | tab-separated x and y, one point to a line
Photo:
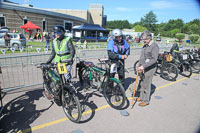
120	50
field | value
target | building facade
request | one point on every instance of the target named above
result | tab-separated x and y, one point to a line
14	15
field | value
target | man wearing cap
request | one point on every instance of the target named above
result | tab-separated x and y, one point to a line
147	63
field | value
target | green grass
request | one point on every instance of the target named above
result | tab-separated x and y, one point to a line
36	43
91	45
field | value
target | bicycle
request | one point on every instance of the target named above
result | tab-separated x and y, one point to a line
62	92
180	60
98	78
194	61
167	69
2	95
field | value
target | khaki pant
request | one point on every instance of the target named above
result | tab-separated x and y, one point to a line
145	90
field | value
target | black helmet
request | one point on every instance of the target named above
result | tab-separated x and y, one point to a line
59	30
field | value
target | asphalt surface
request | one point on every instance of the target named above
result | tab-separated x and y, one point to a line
174	108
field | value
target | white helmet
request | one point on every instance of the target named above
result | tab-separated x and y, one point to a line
116	32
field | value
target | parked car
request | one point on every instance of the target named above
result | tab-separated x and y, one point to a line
17	40
158	39
4	29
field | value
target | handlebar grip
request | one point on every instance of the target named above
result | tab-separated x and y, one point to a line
66	61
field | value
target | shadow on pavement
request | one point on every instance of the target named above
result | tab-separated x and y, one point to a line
20	112
128	82
88	108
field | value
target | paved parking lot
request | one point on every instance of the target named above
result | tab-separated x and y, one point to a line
174	107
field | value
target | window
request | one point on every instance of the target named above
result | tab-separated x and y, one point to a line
68	25
25	20
2	22
1	35
44	26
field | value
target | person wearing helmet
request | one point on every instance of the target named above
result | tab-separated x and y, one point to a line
118	50
63	50
147	63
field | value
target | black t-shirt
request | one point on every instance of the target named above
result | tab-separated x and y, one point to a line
7	37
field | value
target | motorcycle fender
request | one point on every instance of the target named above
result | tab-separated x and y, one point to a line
115	80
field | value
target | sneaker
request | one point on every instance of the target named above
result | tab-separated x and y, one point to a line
143	104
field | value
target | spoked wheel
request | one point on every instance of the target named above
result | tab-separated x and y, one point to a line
169	72
114	94
136	65
185	70
71	106
196	65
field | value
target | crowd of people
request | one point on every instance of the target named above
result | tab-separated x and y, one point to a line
118	51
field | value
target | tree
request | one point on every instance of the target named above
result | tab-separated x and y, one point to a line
139	28
194	29
174	24
185	28
149	21
118	24
134	24
180	36
161	29
195	21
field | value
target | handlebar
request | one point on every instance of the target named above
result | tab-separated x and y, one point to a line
104	60
45	65
107	61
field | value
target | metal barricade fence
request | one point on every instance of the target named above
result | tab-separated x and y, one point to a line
19	71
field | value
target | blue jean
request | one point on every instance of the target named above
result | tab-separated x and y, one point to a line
47	43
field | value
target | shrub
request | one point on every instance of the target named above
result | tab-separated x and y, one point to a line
194	38
180	36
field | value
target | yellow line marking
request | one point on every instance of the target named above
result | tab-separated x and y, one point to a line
89	111
171	83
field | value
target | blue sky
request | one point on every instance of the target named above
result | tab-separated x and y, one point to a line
131	10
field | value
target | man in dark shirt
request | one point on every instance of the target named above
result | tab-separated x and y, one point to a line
147	63
7	39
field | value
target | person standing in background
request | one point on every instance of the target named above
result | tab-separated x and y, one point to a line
7	39
48	39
